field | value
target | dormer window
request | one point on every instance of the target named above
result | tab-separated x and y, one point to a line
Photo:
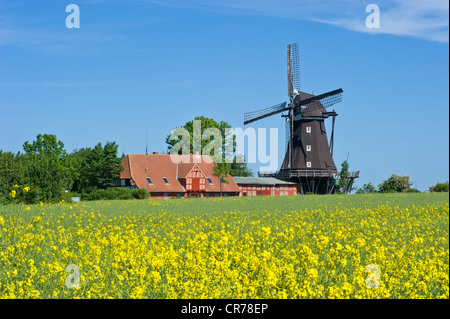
308	129
308	164
165	180
210	180
149	180
308	148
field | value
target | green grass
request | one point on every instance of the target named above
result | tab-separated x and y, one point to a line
259	204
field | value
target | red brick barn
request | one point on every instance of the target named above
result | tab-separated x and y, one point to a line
265	186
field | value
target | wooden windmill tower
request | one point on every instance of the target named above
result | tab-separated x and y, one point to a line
309	155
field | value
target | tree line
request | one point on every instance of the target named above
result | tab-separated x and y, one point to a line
399	184
45	172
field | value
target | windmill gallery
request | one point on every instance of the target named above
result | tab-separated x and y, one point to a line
308	165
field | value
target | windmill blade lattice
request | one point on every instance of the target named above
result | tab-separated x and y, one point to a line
287	134
324	100
258	115
295	58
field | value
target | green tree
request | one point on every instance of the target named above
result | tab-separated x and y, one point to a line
439	187
95	168
206	123
221	170
395	183
238	166
10	171
366	189
47	145
43	166
104	165
344	176
78	167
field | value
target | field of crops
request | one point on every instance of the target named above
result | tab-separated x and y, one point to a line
349	246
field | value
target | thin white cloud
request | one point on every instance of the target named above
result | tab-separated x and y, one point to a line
158	84
424	19
70	43
45	84
427	20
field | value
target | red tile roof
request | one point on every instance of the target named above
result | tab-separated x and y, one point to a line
126	174
159	166
184	169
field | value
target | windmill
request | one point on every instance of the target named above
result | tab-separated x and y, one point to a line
309	156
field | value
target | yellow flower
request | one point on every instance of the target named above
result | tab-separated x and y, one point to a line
149	249
13	194
26	189
313	273
37	219
360	242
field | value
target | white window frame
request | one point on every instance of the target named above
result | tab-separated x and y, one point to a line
308	148
308	129
308	164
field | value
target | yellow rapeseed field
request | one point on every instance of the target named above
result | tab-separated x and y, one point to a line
352	246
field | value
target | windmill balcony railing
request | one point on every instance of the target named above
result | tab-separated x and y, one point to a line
305	173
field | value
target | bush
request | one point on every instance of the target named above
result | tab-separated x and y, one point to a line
3	200
366	189
140	193
67	197
23	194
395	184
412	190
108	194
439	187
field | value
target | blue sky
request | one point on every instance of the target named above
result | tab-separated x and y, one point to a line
149	66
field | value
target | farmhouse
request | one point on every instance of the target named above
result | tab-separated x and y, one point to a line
164	178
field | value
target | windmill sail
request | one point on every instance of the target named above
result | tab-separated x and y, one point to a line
293	60
319	102
287	134
258	115
295	57
289	69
